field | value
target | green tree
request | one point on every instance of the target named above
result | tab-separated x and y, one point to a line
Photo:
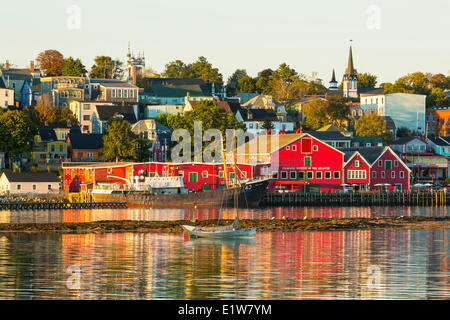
403	132
268	124
232	84
20	129
320	112
106	68
51	62
367	80
246	84
73	67
204	70
177	69
372	125
436	98
119	142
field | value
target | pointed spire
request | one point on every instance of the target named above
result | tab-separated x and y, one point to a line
350	69
333	77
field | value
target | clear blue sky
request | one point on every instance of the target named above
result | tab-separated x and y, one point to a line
311	36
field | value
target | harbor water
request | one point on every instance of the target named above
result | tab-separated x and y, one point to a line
350	264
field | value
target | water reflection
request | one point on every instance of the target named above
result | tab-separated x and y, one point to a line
158	214
412	264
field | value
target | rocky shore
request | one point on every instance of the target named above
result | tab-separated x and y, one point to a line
260	225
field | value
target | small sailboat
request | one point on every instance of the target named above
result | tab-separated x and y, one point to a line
228	231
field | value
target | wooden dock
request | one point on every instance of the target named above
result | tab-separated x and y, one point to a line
60	205
439	198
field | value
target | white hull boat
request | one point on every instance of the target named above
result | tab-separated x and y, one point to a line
221	232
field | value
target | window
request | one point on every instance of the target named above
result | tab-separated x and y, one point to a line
113	93
34	187
204	174
315	148
401	174
318	174
131	93
283	174
232	175
383	174
265	170
294	148
337	175
393	174
192	176
125	93
307	161
380	163
292	175
89	155
395	163
301	175
388	164
86	117
288	148
327	174
275	175
86	107
61	148
19	187
181	173
357	163
310	175
49	187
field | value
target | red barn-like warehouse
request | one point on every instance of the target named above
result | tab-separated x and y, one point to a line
298	162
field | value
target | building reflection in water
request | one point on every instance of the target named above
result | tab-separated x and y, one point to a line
171	214
412	264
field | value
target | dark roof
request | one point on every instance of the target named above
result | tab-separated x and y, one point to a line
367	139
328	135
80	141
47	134
371	154
112	83
441	141
174	81
403	140
2	84
348	154
106	112
333	77
175	92
18	74
333	93
32	177
261	115
370	91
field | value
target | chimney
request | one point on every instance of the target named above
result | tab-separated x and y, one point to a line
134	75
7	65
32	65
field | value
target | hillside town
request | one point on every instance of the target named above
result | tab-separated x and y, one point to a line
65	124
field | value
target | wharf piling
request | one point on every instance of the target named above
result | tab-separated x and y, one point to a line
433	198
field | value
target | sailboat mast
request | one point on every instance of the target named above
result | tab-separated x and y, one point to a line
235	176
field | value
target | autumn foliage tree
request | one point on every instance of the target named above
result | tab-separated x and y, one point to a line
51	62
320	112
119	142
372	125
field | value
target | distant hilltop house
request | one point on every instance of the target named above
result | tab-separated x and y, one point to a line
84	147
21	80
439	121
6	95
35	183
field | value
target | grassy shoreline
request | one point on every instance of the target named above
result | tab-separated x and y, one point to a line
314	224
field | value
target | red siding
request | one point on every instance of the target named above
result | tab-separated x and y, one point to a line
351	166
390	178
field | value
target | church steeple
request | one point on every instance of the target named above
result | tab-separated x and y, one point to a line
350	79
333	82
350	68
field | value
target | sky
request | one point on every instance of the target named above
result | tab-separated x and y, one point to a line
389	38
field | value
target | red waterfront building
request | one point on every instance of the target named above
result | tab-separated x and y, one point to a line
356	171
196	176
297	162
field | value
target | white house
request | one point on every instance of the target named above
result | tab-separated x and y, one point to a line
405	109
36	182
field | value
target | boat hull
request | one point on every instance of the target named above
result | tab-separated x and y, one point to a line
249	195
232	233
